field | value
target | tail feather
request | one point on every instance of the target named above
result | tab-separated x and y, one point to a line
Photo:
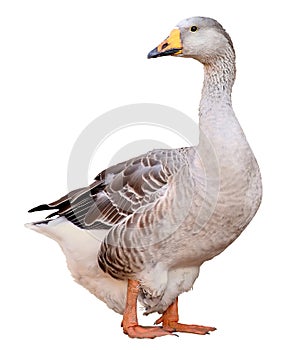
35	223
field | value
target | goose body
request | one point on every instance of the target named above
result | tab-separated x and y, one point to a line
157	218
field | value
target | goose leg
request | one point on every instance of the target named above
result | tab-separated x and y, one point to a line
169	321
130	321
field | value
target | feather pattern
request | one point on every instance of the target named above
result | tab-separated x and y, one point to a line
159	216
119	191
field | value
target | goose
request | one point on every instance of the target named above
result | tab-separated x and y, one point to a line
141	231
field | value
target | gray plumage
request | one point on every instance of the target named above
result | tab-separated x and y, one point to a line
156	218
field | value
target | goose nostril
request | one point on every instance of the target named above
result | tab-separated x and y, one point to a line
164	46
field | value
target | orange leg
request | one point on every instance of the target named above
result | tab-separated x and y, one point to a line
130	321
169	321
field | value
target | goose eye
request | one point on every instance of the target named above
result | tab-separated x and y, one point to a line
193	28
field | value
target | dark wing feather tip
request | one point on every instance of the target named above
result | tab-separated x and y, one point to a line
40	207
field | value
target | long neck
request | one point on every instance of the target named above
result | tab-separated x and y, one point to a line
217	121
219	77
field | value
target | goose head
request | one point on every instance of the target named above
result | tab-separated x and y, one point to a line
201	38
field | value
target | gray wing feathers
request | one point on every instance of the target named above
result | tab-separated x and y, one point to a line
139	203
139	183
125	250
118	191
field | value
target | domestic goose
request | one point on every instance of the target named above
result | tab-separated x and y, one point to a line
143	228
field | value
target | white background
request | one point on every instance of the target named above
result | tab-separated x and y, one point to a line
63	63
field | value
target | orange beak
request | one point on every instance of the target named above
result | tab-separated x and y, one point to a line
171	46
